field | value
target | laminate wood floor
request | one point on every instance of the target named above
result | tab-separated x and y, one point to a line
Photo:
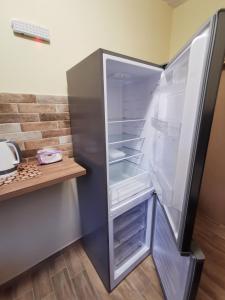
69	275
210	236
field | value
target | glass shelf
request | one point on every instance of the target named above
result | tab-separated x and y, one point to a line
116	155
124	137
113	121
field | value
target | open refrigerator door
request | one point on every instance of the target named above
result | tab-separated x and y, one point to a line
175	121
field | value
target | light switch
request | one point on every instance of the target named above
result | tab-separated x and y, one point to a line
30	30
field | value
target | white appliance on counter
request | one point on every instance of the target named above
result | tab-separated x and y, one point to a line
141	130
10	157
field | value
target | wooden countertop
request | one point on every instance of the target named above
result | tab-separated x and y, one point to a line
51	174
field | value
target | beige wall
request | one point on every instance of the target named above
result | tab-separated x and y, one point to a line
139	28
188	17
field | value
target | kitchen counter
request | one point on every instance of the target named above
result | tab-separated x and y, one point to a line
51	174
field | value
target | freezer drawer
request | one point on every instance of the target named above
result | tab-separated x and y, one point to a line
129	233
179	275
130	238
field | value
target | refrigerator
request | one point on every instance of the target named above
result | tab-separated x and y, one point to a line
141	130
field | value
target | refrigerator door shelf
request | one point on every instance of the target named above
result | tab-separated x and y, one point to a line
163	187
169	128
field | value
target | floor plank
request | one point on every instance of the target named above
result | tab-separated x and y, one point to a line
83	287
23	286
69	275
41	284
27	296
63	286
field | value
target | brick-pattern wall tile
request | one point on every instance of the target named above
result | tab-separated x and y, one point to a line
36	108
17	98
10	127
65	147
18	118
21	136
62	108
46	99
29	153
31	126
54	116
36	121
64	124
56	132
21	145
65	139
38	144
8	108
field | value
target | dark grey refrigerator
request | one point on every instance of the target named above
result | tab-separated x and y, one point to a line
141	130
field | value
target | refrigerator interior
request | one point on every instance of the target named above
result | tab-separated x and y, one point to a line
129	88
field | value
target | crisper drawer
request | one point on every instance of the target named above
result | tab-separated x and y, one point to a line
129	233
125	180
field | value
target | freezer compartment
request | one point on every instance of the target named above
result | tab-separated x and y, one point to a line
135	214
125	180
129	248
131	236
129	225
129	233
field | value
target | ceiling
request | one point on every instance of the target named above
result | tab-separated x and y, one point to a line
175	3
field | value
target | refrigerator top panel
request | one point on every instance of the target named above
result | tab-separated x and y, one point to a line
183	110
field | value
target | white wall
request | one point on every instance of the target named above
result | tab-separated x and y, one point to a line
139	28
35	226
187	19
